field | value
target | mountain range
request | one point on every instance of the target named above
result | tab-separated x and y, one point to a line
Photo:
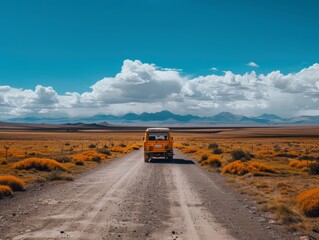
167	117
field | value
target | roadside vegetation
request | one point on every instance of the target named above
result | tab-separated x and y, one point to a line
28	158
281	175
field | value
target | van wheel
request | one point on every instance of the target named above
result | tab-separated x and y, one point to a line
145	159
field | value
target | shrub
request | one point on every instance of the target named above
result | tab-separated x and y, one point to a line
242	168
239	154
314	168
5	191
119	149
212	146
306	157
217	151
308	201
204	157
87	156
79	163
284	213
63	159
135	147
263	167
13	182
214	162
105	151
92	146
97	159
178	146
122	145
287	155
189	149
300	164
58	175
41	164
237	168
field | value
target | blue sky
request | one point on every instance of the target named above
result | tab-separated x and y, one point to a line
71	45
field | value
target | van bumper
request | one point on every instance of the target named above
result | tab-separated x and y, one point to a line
151	154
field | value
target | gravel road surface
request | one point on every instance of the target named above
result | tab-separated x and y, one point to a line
130	199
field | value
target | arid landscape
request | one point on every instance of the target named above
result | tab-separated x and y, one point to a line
165	120
266	173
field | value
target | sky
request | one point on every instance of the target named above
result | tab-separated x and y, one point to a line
82	58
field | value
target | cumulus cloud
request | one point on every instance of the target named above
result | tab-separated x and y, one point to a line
45	95
252	64
137	82
140	87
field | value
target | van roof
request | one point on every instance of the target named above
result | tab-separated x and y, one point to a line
157	129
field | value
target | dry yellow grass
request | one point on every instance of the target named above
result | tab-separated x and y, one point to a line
214	161
308	201
5	191
189	149
300	164
41	164
135	147
13	182
65	148
242	168
211	160
265	153
122	150
88	156
178	146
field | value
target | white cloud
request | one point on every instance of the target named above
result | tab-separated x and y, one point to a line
252	64
45	95
140	87
213	69
137	82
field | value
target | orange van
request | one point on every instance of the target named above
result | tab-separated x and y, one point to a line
158	142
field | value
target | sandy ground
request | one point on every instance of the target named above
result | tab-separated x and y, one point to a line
130	199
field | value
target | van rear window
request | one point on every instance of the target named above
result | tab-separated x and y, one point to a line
154	136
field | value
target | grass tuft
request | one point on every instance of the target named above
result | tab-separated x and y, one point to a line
16	184
308	201
5	191
239	154
300	164
212	146
59	175
41	164
79	163
314	168
242	168
189	149
284	213
105	151
214	162
204	157
90	155
217	151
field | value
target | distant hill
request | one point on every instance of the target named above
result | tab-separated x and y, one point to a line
167	117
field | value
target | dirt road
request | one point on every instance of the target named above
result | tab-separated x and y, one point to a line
130	199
